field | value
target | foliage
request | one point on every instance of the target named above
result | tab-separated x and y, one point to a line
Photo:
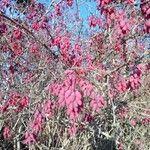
62	90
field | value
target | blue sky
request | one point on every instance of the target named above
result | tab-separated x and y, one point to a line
86	7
